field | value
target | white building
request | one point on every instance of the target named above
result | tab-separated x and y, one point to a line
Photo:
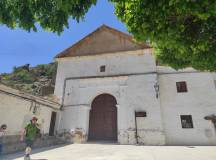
17	109
111	89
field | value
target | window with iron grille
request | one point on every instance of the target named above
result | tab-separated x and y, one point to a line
186	121
102	68
181	86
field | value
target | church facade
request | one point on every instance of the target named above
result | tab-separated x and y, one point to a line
111	89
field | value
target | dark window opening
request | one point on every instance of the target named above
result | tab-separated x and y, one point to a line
52	124
102	68
186	121
181	86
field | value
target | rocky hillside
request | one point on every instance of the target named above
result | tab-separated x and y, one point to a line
39	80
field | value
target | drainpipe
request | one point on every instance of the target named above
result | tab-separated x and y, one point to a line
136	134
63	94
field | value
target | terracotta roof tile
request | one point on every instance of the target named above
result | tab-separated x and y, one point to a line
75	50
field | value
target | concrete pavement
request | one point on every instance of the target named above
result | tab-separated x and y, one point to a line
121	152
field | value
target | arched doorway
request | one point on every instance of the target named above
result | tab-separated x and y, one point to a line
103	118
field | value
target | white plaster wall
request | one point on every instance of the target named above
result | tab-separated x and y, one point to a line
136	93
132	92
199	102
15	112
116	63
140	96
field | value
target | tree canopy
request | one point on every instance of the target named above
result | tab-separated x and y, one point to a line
183	32
52	15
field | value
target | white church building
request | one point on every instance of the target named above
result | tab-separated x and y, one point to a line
111	89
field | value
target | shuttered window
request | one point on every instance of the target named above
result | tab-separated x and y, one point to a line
102	68
181	86
186	121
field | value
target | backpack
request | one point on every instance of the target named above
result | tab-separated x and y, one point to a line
38	133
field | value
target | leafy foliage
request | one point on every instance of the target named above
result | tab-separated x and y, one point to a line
29	79
182	31
45	70
23	76
51	15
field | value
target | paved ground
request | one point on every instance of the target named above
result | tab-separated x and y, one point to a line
120	152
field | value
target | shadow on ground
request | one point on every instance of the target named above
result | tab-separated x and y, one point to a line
113	151
34	151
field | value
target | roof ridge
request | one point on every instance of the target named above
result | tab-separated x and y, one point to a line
102	27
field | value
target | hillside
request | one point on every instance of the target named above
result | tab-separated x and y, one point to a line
38	80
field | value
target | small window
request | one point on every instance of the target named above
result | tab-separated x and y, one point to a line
186	121
181	86
102	68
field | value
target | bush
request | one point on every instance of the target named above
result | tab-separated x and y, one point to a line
45	70
24	76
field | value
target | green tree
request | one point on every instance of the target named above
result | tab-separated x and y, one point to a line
51	15
183	32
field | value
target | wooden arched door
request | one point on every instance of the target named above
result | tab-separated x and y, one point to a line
103	118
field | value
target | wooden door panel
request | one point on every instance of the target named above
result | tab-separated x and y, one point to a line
52	124
103	118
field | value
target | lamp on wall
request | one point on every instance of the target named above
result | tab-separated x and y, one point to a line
156	87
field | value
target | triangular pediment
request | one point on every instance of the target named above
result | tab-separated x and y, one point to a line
101	41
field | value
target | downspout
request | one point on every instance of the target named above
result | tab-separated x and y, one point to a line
63	95
136	134
62	106
160	106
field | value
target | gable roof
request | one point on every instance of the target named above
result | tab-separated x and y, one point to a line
103	40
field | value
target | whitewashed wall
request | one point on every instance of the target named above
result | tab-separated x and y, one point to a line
117	63
15	112
136	93
132	92
199	101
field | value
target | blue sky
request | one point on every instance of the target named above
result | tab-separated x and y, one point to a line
18	47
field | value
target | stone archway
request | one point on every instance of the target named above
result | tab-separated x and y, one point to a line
103	118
